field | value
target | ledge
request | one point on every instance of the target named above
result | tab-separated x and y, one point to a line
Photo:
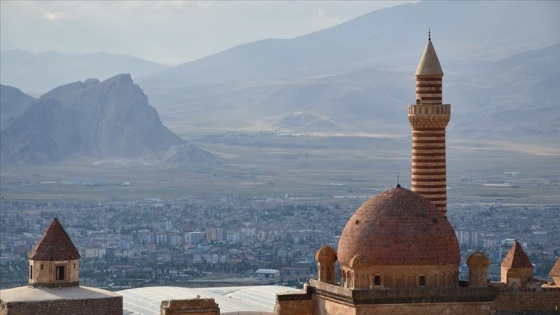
404	296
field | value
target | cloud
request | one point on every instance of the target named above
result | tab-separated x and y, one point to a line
321	12
54	16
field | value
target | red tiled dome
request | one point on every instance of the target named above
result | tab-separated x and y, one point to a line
399	227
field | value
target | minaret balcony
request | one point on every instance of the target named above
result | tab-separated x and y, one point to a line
429	116
429	109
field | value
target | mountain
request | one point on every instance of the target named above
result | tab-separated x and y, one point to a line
41	72
108	119
300	121
13	103
360	74
185	155
521	101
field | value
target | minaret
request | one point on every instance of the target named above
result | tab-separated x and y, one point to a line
428	118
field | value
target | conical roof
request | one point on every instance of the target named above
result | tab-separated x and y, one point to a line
55	244
429	63
516	257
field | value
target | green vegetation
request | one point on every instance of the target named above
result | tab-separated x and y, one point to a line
268	165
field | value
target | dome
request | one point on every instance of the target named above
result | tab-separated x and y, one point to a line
399	227
325	255
478	260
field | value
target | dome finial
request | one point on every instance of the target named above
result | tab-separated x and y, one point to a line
429	35
398	184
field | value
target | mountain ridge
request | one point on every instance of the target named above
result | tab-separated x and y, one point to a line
361	72
98	119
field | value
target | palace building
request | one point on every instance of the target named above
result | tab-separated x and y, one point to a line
398	253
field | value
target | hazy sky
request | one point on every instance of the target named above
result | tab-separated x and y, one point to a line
169	32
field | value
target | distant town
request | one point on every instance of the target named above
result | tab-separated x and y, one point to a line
234	240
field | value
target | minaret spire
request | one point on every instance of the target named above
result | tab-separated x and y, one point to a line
428	118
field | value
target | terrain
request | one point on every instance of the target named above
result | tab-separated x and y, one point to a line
282	115
358	77
90	119
273	166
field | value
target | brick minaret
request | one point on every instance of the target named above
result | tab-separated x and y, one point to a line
428	118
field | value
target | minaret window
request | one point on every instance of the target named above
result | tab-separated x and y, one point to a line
31	272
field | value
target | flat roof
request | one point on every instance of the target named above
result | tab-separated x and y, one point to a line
31	294
231	300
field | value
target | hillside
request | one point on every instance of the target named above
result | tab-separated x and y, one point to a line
13	103
108	119
360	74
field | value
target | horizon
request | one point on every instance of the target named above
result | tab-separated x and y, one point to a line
208	27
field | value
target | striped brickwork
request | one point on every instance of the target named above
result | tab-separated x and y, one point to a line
428	118
428	89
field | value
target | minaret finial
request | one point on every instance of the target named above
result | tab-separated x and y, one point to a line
429	35
398	183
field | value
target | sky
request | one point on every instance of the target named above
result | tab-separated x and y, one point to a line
168	32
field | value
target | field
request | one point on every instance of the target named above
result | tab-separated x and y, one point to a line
269	165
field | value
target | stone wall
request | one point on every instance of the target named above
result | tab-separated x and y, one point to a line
426	309
43	273
521	301
106	306
189	306
327	306
325	299
299	303
445	276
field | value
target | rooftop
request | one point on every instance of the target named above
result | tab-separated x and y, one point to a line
231	300
55	244
516	257
28	294
399	227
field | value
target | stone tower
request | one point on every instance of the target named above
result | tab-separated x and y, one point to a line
428	118
517	269
478	270
54	261
53	285
326	258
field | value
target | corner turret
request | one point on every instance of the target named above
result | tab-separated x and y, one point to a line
54	261
517	269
